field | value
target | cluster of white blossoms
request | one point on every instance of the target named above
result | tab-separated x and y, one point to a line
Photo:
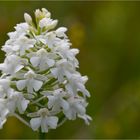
40	84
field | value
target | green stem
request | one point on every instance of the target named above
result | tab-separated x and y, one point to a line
42	135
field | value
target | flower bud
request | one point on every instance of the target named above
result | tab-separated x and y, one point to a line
44	10
46	13
52	25
28	18
37	13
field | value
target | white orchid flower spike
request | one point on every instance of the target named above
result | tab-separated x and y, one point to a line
40	84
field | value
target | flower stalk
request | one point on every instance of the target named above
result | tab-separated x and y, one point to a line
41	135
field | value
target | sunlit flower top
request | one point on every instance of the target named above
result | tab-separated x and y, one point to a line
40	84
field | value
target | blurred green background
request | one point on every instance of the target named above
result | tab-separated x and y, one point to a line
108	36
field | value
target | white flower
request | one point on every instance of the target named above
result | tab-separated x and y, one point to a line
21	30
63	68
60	32
49	39
56	100
4	87
42	59
44	121
30	82
16	100
65	52
12	64
76	83
23	43
76	107
18	45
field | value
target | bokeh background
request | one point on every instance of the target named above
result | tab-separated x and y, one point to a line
108	36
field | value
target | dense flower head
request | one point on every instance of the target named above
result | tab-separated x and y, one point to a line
39	77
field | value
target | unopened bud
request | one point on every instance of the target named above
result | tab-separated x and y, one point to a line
52	25
28	18
38	13
44	10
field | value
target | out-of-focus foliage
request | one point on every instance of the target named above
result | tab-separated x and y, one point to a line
108	36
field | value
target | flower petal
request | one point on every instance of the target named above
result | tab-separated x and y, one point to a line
21	84
24	104
52	122
80	109
2	66
86	118
19	67
50	62
83	89
51	101
35	123
35	61
64	104
37	85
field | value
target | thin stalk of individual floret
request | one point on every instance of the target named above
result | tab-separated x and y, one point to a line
39	99
21	119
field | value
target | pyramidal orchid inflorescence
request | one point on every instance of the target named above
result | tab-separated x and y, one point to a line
40	84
